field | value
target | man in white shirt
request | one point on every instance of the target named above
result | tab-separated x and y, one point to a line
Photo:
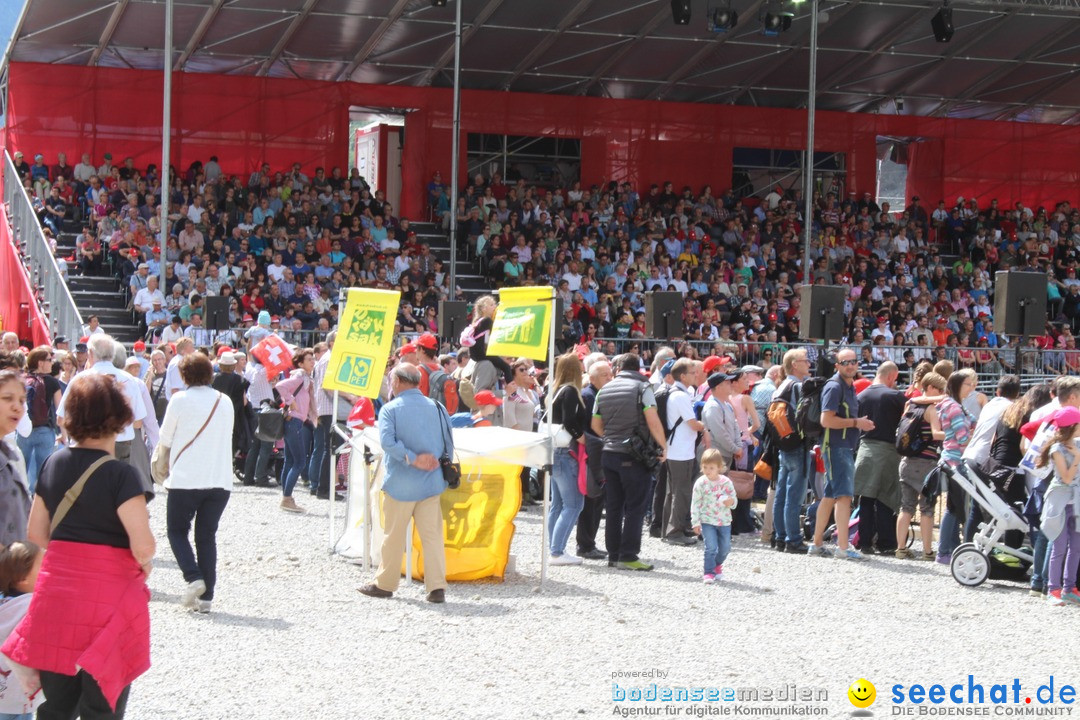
276	271
572	277
982	437
173	382
145	298
101	349
683	428
84	170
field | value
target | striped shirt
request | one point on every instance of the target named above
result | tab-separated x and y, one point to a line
259	388
324	399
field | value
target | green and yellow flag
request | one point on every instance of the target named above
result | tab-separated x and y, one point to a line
522	323
365	336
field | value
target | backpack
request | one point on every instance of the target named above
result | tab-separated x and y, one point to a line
781	418
441	388
910	440
468	336
808	409
37	401
663	394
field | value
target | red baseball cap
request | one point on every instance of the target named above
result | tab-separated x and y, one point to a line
712	362
222	350
486	397
429	341
84	339
275	319
247	318
408	348
139	346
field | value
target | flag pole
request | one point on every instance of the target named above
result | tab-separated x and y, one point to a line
551	444
331	476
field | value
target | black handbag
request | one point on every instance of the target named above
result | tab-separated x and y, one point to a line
932	483
451	471
269	423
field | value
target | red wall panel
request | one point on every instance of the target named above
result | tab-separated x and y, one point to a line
247	120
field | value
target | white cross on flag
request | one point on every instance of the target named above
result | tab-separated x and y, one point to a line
274	354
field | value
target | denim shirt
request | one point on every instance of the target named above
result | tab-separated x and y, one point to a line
411	425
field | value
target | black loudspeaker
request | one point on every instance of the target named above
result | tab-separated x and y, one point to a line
453	317
680	12
1019	302
942	25
821	312
217	313
663	315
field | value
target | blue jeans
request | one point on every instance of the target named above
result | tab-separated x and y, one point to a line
36	448
1039	567
948	534
717	545
839	472
566	501
12	716
297	451
791	484
319	467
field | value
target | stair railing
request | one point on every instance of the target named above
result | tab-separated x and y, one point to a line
57	305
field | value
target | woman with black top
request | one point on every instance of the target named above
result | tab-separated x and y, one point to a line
1006	450
155	383
86	634
568	410
484	375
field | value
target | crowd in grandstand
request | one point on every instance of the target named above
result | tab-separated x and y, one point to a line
287	242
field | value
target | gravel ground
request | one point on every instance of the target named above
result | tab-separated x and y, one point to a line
290	637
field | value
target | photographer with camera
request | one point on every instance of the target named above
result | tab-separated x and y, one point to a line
634	447
413	447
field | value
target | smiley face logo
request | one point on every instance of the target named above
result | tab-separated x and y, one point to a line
862	693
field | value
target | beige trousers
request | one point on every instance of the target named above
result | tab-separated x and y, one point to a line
427	514
767	524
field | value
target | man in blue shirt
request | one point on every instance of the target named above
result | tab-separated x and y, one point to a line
841	421
413	482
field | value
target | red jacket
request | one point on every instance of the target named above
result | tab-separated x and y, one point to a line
90	611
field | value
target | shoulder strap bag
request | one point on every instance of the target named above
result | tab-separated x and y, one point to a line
451	471
160	465
74	492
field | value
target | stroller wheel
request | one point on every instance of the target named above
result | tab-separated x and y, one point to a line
969	566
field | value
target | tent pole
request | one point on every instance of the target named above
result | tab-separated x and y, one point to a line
551	446
454	149
166	137
808	178
331	476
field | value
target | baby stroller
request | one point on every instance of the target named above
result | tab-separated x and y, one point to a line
971	560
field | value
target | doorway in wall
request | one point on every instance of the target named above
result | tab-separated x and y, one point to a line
377	140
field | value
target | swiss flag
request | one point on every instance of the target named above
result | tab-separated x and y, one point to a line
274	354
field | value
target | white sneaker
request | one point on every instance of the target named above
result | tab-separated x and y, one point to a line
204	606
564	559
190	598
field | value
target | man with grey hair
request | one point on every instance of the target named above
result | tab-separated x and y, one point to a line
146	434
9	342
600	374
415	433
101	350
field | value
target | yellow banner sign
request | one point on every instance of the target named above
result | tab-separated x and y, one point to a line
522	323
364	338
